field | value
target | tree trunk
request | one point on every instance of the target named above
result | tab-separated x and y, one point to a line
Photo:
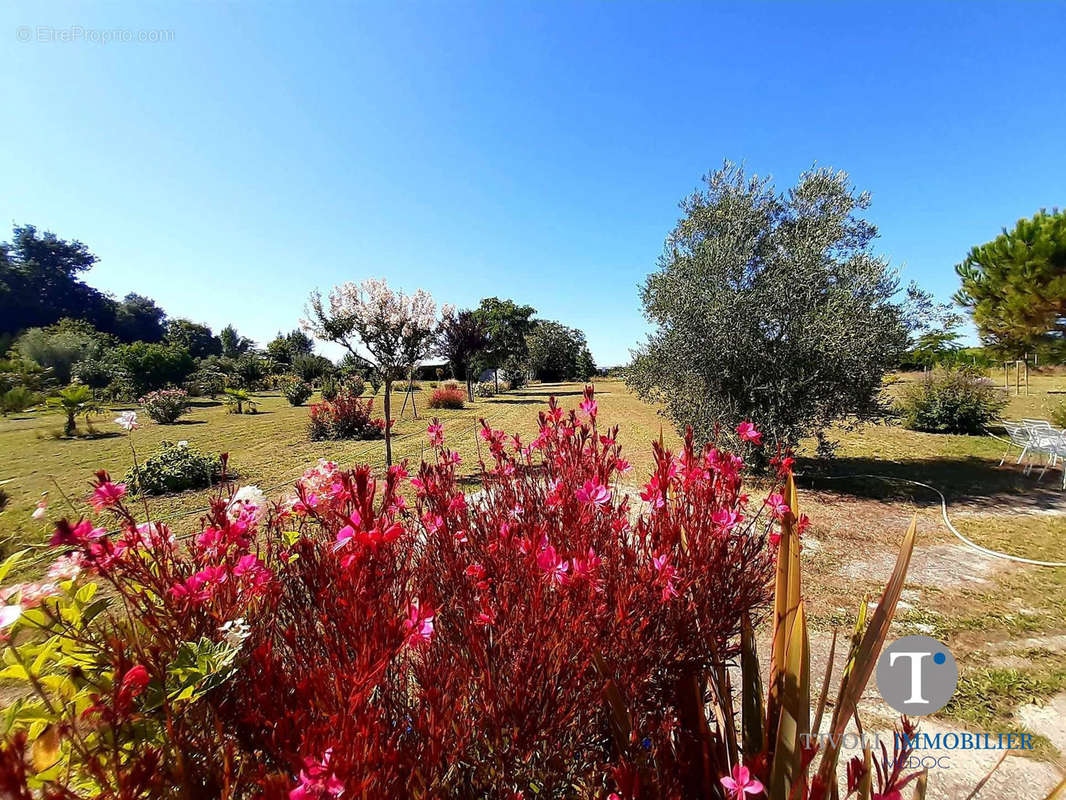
496	376
70	428
469	388
388	422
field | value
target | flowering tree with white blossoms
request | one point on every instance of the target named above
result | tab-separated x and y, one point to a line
397	330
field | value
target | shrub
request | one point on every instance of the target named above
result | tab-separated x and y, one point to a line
18	399
311	368
537	635
174	468
1058	415
345	417
60	346
950	401
208	380
447	398
451	385
296	391
165	405
151	366
484	389
354	385
330	389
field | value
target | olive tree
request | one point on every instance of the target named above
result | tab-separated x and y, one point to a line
396	330
770	307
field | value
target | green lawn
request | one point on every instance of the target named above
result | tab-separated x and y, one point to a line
269	448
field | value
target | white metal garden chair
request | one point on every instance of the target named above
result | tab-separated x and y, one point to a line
1054	444
1019	436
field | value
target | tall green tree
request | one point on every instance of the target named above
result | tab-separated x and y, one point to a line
284	348
198	339
770	307
1015	285
139	319
558	352
506	324
40	283
233	344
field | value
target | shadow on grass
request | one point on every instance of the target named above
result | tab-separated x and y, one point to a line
542	400
546	393
970	479
188	422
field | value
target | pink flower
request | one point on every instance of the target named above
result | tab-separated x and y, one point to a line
254	574
725	518
317	781
584	567
594	493
749	433
42	507
348	532
67	535
200	587
777	505
666	576
622	466
741	783
436	433
107	494
549	561
590	407
419	625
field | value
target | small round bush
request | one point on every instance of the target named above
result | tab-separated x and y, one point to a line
950	401
296	391
174	468
447	398
484	389
165	405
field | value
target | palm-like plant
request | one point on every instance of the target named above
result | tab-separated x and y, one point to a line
75	401
240	401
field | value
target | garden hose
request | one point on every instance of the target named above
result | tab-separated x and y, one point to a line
944	512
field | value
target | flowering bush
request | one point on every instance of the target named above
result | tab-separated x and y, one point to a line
165	405
345	417
484	389
296	391
174	468
541	637
447	398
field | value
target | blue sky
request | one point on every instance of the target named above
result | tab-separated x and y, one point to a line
530	150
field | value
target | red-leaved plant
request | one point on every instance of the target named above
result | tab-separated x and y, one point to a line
550	635
345	417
